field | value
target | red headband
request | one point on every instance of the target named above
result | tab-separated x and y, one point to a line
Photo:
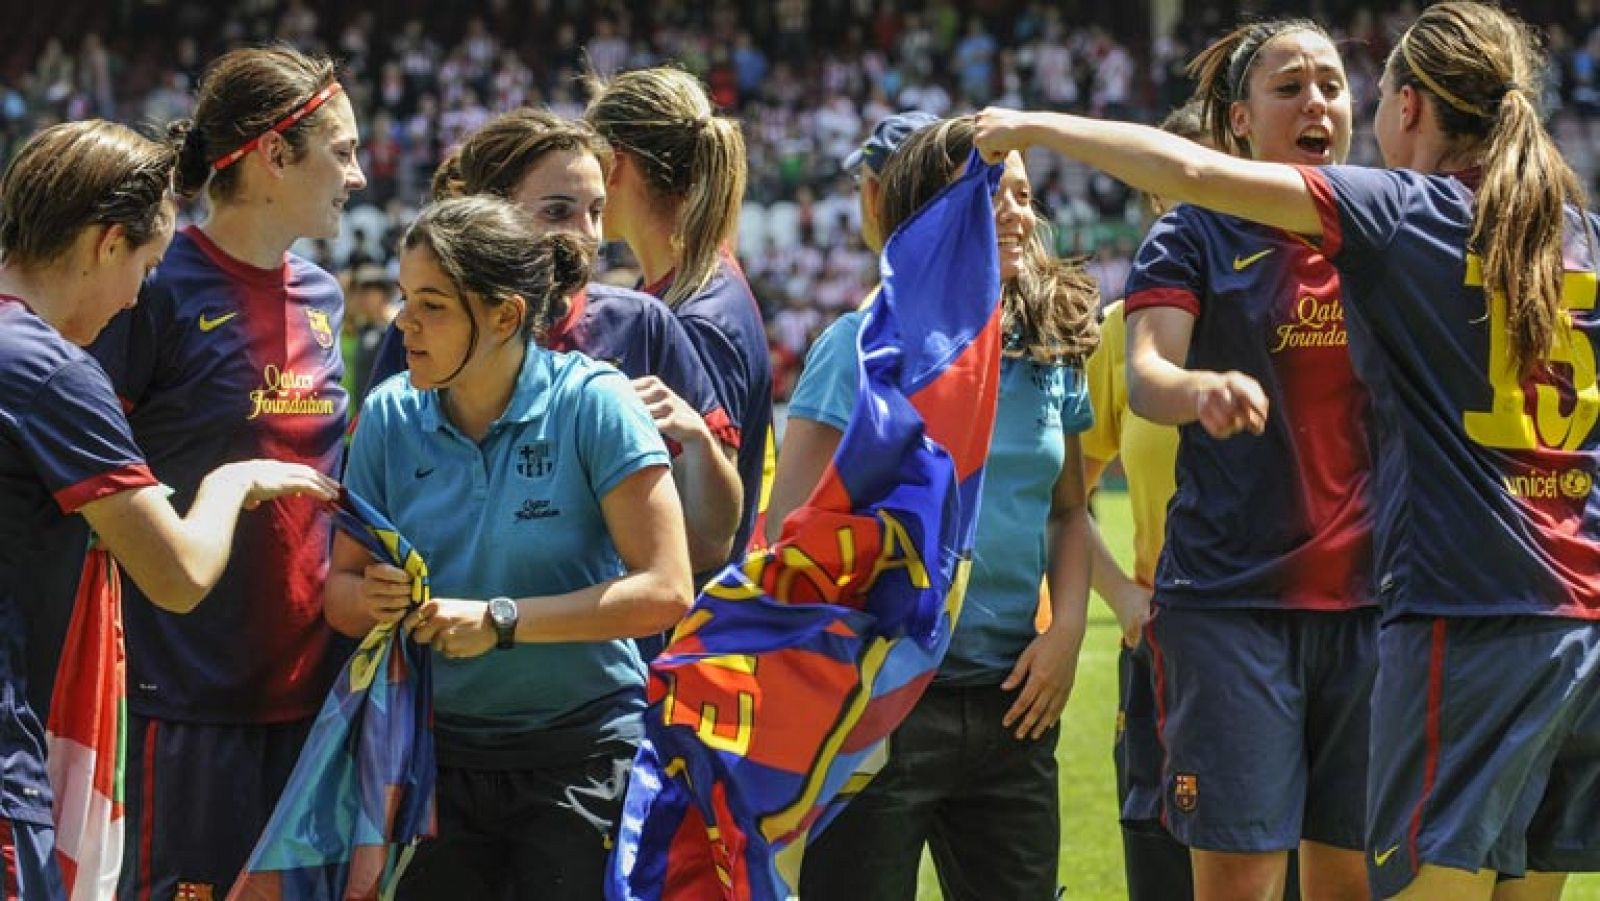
287	122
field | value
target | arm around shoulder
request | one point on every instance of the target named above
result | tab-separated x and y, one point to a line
1171	167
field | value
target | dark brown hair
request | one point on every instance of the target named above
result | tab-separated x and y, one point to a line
1481	69
495	158
79	174
1222	75
1051	303
243	94
663	118
490	252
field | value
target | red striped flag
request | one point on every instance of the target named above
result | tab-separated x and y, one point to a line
85	737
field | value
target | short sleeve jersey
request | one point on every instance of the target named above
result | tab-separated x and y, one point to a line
1485	480
222	361
724	325
1278	520
517	514
1148	451
63	443
1039	406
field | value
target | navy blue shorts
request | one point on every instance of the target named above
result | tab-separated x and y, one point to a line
28	868
1137	753
1486	747
197	798
1263	715
1156	866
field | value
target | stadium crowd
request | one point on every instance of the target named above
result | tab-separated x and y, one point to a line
807	79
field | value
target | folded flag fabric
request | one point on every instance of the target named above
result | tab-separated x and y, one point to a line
85	738
772	701
362	793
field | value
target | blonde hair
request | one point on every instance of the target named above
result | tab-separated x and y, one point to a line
1481	69
689	156
1051	303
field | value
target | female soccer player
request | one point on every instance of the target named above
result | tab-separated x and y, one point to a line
1263	639
85	215
1469	279
536	486
674	192
972	771
233	352
554	170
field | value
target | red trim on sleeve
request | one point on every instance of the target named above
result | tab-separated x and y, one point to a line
127	405
722	427
1327	209
72	498
1181	298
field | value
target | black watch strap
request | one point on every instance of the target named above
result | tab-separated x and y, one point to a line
503	616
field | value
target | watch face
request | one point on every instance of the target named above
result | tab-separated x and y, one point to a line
503	611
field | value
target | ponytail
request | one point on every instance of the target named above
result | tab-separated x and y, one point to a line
192	170
1480	69
709	217
689	156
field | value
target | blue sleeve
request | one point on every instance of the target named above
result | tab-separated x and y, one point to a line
1077	411
616	437
677	363
828	384
130	347
1361	209
724	365
365	472
77	439
1170	268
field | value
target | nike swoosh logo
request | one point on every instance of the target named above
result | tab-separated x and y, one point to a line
1240	265
424	473
1382	857
207	325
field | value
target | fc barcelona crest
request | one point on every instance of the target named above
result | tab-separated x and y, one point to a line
1186	792
321	329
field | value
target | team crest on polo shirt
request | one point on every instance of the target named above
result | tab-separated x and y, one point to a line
195	891
533	460
321	328
1186	792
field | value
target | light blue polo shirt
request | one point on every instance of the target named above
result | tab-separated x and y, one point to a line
1039	406
517	515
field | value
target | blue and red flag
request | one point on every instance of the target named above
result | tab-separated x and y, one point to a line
771	704
362	792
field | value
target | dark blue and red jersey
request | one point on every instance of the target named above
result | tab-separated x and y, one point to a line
631	330
222	361
63	443
1279	520
724	323
1484	488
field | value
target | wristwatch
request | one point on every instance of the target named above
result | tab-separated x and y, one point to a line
503	615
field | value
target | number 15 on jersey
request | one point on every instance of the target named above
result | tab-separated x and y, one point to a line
1507	423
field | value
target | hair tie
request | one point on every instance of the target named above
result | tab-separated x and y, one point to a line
1438	89
305	109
